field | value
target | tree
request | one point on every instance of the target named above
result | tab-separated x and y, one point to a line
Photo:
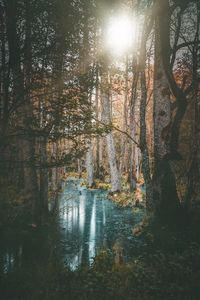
182	93
106	118
24	111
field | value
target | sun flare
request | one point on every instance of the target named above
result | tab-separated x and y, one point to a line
120	34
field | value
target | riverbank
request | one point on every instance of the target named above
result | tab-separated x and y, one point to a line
164	261
123	198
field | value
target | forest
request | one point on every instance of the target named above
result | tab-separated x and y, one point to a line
100	149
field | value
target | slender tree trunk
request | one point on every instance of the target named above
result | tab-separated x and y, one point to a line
106	118
143	143
58	86
79	166
4	94
115	176
44	178
54	177
24	113
97	117
89	164
86	89
133	149
143	132
124	125
4	80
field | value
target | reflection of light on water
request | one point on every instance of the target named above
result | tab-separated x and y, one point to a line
75	215
11	260
71	216
87	223
92	233
8	262
65	215
86	228
69	219
75	261
20	255
104	213
82	214
74	224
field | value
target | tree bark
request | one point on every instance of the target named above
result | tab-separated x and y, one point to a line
106	118
89	164
163	179
161	100
124	125
24	112
143	134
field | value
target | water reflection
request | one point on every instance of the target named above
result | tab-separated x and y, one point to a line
90	222
87	223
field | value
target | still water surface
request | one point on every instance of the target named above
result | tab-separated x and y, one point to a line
87	222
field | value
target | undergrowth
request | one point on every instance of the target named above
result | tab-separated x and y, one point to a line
168	268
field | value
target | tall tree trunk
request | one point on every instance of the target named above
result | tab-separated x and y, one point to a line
124	125
97	173
161	100
106	118
143	132
164	17
115	175
133	149
143	143
4	93
89	164
4	79
165	191
87	90
44	178
24	112
58	85
54	177
162	186
79	167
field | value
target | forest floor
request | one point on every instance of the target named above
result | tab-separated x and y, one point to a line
167	268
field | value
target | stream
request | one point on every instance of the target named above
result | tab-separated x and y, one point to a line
87	222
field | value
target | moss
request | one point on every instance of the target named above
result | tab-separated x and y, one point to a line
74	175
102	185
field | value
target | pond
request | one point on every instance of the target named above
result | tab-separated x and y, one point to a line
87	222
